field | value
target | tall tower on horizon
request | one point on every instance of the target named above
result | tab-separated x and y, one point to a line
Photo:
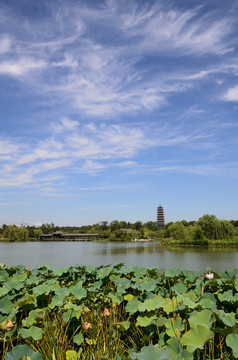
160	216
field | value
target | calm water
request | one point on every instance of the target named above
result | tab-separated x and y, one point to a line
60	254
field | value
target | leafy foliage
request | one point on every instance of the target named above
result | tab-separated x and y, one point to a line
117	312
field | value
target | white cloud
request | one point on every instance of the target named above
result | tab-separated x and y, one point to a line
231	94
20	67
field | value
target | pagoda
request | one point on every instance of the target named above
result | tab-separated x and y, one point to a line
160	216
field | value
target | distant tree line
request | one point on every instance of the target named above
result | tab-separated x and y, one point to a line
208	227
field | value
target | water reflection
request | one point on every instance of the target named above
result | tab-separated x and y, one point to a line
60	254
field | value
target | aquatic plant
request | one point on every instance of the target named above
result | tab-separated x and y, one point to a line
117	312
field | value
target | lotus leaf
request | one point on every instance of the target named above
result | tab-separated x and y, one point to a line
34	332
230	274
232	342
123	325
42	289
228	297
116	300
3	275
208	301
132	306
3	291
71	355
33	280
14	285
179	288
144	321
21	351
115	278
78	291
78	339
19	277
104	272
152	352
124	283
170	305
148	305
35	316
6	306
174	327
56	300
27	300
227	318
174	345
63	292
172	273
204	317
188	299
196	337
61	271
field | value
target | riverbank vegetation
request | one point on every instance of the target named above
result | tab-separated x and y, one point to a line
117	313
206	231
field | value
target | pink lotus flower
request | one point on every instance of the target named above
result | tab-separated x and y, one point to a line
209	276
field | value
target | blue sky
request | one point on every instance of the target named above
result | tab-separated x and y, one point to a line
109	108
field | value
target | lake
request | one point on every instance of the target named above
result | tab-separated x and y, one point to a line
148	254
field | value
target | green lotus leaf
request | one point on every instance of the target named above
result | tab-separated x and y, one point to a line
227	318
14	285
2	266
6	306
56	300
148	305
196	337
232	342
208	301
3	276
104	272
27	300
174	345
3	291
174	327
230	274
95	286
116	300
115	278
61	271
172	273
204	317
132	305
71	355
144	321
33	280
21	351
188	299
35	316
78	291
42	289
34	332
148	285
152	352
236	283
228	296
78	339
124	283
64	292
170	305
19	277
123	325
179	288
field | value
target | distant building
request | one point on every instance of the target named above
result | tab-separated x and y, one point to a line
160	216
